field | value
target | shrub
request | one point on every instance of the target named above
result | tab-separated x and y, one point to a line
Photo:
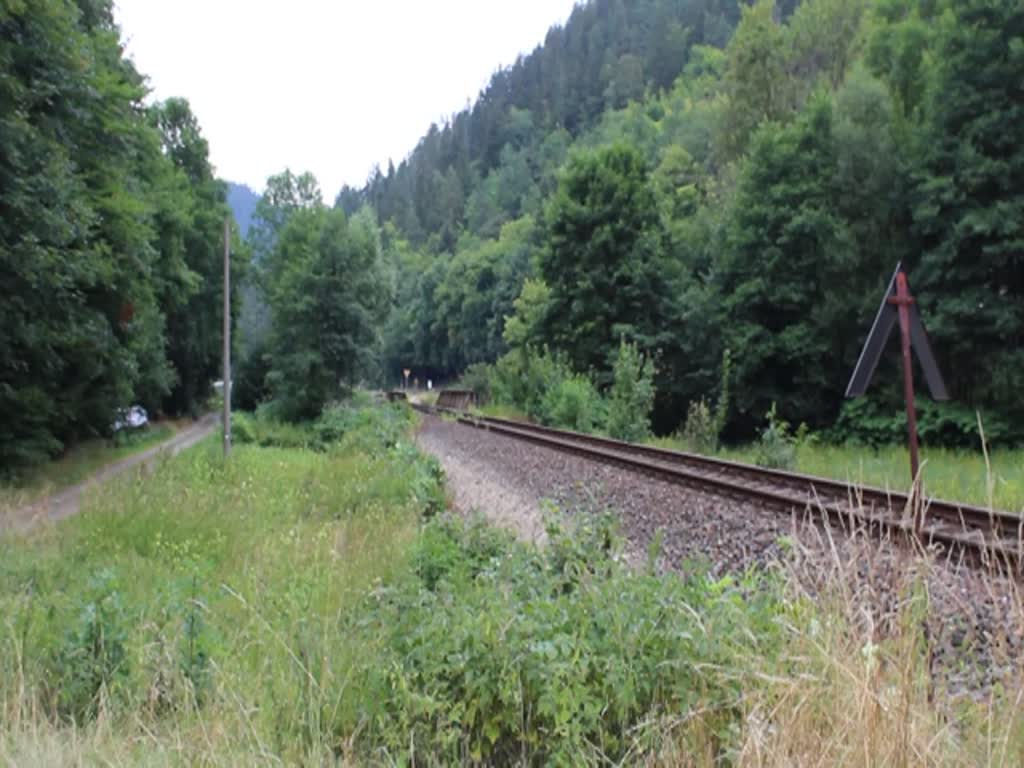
129	436
523	379
249	383
631	399
868	422
456	551
267	432
427	482
358	423
703	428
776	448
573	403
242	429
371	430
498	653
92	655
700	433
542	385
477	378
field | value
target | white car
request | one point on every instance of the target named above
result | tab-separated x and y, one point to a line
131	418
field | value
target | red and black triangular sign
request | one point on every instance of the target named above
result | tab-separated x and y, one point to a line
888	314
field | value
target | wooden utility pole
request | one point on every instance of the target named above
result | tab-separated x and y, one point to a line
227	337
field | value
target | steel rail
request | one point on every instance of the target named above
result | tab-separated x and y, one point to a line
954	525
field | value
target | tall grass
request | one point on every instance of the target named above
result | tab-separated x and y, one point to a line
954	474
868	671
197	611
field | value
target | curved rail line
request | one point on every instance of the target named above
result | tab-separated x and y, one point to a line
993	535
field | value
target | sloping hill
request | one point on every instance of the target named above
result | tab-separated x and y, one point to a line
242	201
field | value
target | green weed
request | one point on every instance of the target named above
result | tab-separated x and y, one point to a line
776	448
499	653
631	396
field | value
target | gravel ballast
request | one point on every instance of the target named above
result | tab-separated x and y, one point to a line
975	620
695	525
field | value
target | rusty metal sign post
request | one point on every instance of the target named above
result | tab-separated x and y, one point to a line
898	304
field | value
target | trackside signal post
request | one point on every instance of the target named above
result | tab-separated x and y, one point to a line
898	304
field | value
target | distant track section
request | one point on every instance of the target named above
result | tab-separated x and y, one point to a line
994	536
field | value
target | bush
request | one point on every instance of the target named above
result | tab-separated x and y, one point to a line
502	654
573	403
951	425
700	433
542	385
523	379
263	430
477	378
703	428
358	423
242	430
631	399
776	448
426	477
249	383
129	436
92	655
370	429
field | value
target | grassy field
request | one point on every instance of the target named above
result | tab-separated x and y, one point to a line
77	464
313	605
947	474
207	588
503	411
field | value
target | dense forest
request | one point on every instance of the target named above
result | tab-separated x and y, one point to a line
699	176
111	236
712	193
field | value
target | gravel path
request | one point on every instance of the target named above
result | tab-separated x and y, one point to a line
68	502
976	622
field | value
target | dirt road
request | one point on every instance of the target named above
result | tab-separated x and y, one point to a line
68	502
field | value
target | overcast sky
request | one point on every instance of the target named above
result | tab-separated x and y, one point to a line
329	86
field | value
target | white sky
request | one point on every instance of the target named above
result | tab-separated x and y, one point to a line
329	86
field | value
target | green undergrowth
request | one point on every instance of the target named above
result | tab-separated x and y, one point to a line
501	653
356	424
317	607
300	605
212	589
503	411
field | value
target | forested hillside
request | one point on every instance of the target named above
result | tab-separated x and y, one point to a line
110	236
704	180
242	202
700	176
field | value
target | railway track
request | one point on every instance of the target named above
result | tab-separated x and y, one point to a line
988	536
